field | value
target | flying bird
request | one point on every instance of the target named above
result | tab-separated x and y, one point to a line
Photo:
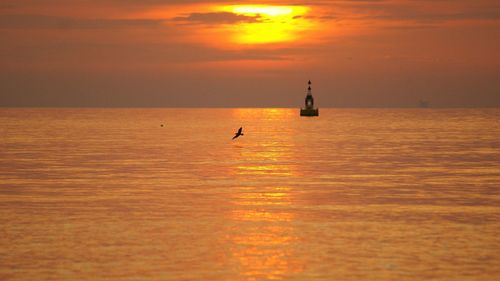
239	133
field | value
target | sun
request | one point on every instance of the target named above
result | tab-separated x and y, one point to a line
272	24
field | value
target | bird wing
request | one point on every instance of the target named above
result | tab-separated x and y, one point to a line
238	133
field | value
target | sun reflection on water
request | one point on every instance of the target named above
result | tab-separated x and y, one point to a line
264	234
263	245
268	154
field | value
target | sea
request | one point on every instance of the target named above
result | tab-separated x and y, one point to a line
166	194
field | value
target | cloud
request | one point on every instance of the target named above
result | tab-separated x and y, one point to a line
414	14
215	18
420	11
41	21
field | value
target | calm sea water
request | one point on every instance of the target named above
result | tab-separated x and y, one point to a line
369	194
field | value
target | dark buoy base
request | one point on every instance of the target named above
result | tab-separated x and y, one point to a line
309	112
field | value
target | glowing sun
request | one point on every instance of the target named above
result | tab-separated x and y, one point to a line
271	24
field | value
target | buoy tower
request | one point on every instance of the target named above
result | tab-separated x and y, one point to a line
309	109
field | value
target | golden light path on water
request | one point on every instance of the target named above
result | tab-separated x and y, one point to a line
265	248
272	24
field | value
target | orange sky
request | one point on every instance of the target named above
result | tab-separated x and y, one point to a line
222	53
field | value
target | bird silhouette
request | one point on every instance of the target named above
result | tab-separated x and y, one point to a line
239	133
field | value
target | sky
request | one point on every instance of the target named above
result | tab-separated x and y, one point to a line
195	53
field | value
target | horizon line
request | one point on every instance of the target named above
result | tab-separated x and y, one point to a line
238	107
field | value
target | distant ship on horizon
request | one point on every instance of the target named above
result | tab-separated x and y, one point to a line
424	104
309	109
